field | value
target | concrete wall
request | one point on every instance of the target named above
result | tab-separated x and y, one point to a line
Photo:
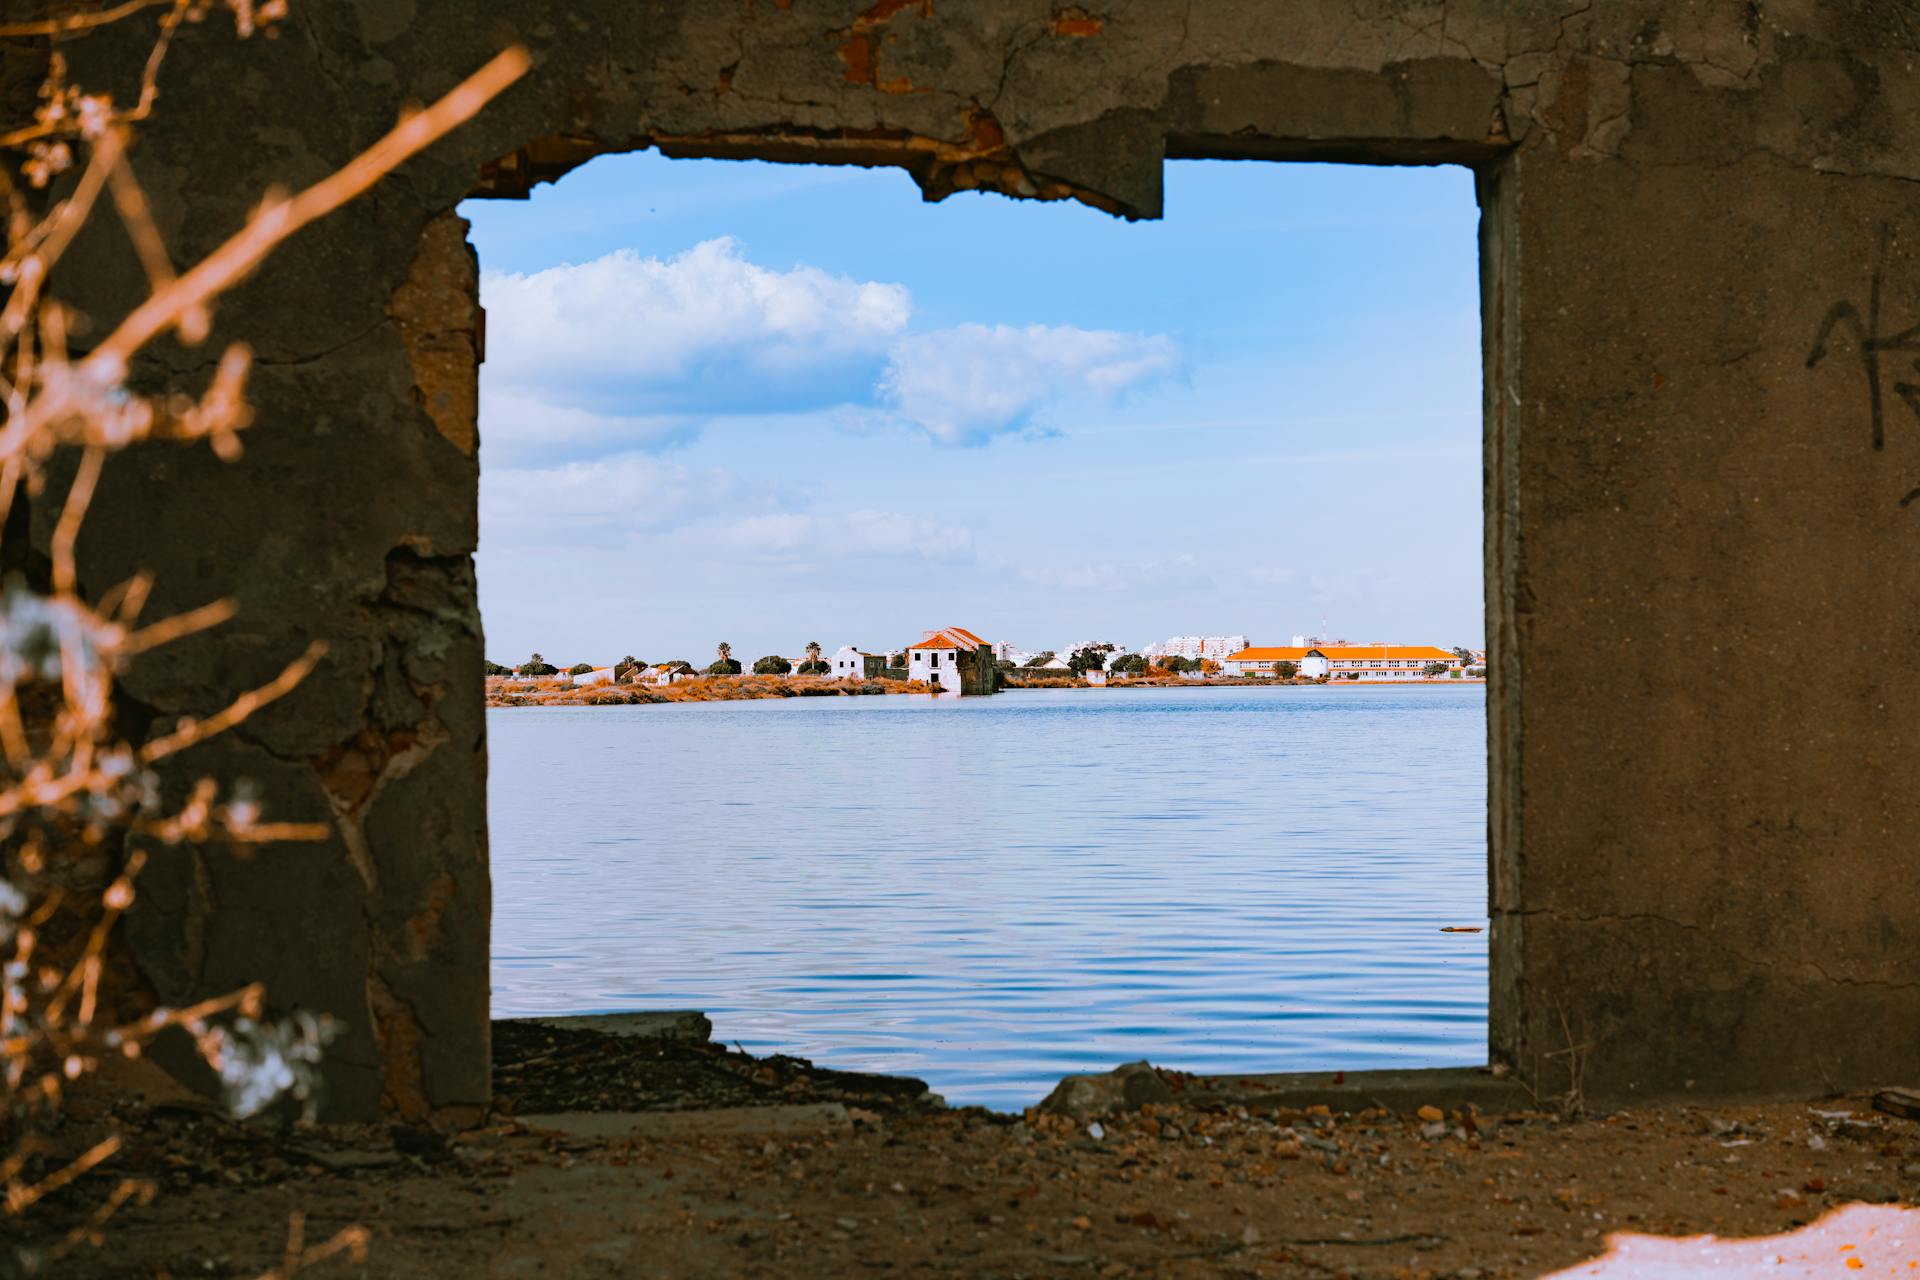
1700	451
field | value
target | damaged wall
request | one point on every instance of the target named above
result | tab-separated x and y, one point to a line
1703	455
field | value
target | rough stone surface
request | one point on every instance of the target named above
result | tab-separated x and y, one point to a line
1700	266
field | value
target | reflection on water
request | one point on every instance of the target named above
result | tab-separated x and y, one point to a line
991	892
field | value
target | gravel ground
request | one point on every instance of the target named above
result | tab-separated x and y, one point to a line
888	1185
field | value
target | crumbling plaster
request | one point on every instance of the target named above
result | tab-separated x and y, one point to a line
1703	704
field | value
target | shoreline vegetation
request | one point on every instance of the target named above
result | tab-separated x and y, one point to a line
560	691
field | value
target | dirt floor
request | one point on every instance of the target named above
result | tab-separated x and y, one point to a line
628	1157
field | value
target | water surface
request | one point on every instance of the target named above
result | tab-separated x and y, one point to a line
991	892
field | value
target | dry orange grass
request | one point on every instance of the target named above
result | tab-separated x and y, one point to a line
509	691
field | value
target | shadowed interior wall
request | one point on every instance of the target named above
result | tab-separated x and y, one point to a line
1701	264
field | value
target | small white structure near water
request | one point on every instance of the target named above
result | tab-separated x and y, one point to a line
849	663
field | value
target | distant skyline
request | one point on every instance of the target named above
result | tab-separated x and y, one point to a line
771	404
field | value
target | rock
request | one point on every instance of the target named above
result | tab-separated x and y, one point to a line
351	1161
667	1024
1869	1192
1125	1088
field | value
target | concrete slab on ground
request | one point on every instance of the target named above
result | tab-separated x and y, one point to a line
665	1024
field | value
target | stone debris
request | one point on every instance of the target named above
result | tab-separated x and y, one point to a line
545	1068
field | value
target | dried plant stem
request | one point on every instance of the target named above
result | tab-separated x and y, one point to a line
75	793
276	219
351	1241
72	22
21	1197
192	731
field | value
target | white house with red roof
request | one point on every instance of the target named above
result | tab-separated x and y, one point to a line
952	660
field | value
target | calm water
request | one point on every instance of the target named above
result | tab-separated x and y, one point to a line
991	892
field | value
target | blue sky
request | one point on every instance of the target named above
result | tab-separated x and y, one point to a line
770	404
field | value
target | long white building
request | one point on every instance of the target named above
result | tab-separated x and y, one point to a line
1372	662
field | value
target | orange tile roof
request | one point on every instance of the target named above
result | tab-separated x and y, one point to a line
950	638
1386	653
1348	653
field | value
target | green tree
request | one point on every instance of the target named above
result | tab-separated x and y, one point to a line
813	651
1465	655
1089	658
1129	664
579	668
771	665
536	666
1435	669
1285	670
724	665
1040	659
495	669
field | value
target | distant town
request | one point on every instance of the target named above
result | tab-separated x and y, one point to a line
957	661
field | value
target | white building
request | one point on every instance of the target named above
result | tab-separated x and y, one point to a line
1195	647
599	675
849	663
952	660
1370	662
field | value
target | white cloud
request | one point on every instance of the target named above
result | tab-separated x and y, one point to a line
604	502
969	383
704	332
865	533
519	428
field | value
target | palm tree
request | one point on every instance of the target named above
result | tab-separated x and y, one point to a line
813	651
725	651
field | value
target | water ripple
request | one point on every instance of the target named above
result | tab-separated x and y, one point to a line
991	892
